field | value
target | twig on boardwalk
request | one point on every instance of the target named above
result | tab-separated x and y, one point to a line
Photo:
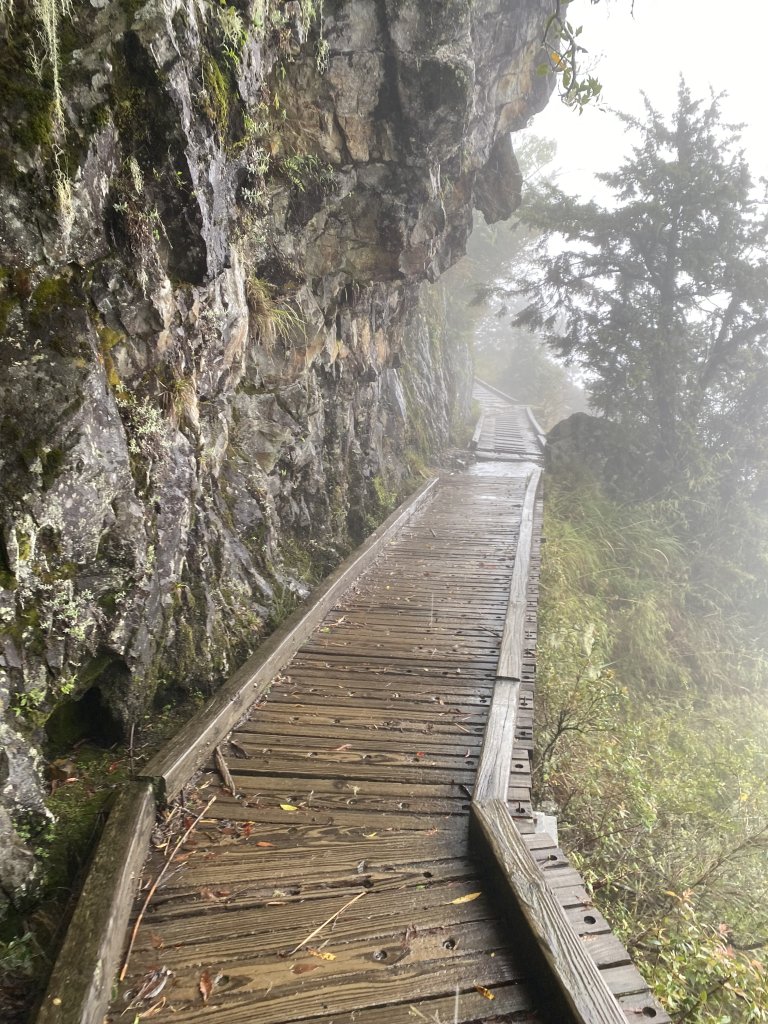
153	889
223	770
330	920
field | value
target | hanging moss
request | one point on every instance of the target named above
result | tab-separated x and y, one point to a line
217	95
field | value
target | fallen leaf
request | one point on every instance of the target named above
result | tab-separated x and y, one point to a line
288	807
205	985
468	898
321	955
157	940
303	968
263	843
485	992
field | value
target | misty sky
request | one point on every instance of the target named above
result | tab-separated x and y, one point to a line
713	44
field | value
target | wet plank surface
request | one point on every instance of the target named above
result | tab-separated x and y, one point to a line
353	778
336	883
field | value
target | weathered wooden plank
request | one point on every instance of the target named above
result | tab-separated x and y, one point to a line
496	754
81	981
643	1007
365	738
478	429
404	982
276	994
511	1002
513	638
572	971
541	436
197	739
367	819
288	901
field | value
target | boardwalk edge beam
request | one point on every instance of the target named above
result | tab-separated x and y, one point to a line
583	992
81	981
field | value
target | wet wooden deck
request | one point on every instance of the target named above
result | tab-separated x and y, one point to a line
337	883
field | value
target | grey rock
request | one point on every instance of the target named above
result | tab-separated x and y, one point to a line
218	342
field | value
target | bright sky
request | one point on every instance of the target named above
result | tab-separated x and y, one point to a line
713	44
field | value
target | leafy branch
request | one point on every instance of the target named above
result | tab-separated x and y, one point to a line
565	54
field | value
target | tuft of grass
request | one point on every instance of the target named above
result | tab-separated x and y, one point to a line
272	318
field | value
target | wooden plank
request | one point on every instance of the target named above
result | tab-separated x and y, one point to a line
409	967
197	739
511	1002
478	429
513	638
81	981
541	436
580	985
496	754
269	1002
497	391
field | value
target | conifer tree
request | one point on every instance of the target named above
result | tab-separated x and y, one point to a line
662	296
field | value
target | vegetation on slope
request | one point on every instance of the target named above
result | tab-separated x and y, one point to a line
653	746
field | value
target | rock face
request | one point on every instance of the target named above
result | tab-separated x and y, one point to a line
215	358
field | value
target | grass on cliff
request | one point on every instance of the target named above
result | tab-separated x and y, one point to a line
653	746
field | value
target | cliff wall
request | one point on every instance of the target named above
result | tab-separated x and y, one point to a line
216	367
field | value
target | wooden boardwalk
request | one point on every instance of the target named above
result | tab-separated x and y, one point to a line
332	879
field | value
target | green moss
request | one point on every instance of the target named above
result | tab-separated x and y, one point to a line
77	807
51	294
30	101
24	543
186	649
300	560
7	580
217	93
52	462
386	496
108	338
7	306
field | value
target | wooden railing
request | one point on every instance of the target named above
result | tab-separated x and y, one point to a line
567	971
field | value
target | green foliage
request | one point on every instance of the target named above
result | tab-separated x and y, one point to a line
654	749
304	171
565	59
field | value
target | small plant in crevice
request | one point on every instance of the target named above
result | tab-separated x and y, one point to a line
307	171
271	318
178	399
